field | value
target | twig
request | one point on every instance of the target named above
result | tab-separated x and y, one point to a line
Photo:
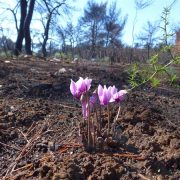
28	166
13	147
119	109
127	155
72	145
26	149
25	136
134	156
23	167
30	129
49	130
65	147
70	107
25	87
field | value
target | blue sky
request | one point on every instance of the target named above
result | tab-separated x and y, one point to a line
152	13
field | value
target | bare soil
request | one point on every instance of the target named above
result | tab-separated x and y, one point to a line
39	125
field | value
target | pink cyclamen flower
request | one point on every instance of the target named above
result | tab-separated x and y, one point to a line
104	94
119	96
113	90
80	87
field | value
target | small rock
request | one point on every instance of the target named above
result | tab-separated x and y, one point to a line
160	177
10	113
42	146
55	59
61	175
62	70
51	146
71	70
7	62
12	108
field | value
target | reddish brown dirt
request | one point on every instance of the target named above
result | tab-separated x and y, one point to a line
39	126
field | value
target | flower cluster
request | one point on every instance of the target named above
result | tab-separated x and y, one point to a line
102	96
110	94
106	95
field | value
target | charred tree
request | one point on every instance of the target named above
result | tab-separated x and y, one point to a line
20	37
46	36
24	27
93	20
52	8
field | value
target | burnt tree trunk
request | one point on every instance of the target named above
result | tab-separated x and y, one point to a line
20	37
93	41
47	26
24	27
27	22
46	37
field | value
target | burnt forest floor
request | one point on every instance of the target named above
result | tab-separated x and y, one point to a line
39	125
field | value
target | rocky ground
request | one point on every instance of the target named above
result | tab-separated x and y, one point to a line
39	123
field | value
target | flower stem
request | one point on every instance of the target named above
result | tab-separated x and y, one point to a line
88	128
108	119
94	130
119	109
100	120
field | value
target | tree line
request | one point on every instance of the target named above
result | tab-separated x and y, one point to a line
97	34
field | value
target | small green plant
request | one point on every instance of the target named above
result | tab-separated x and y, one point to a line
63	55
5	54
154	70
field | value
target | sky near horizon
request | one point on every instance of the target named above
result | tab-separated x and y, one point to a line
151	13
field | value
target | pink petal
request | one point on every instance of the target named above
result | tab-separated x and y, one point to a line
81	86
113	90
100	90
73	87
108	93
88	83
119	96
112	99
105	97
122	94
